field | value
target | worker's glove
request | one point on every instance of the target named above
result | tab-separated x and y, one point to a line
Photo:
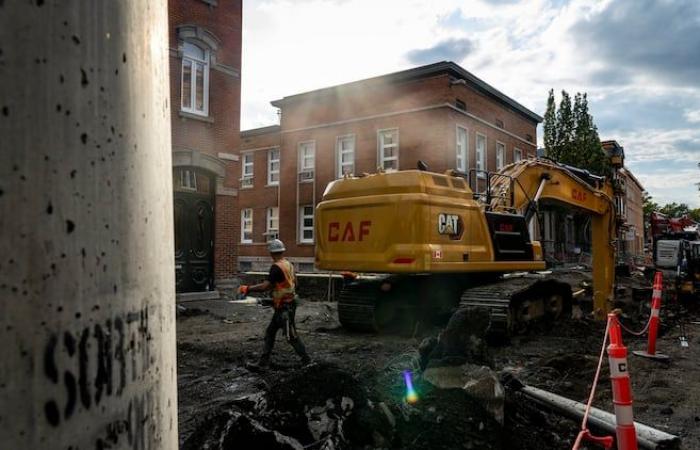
243	289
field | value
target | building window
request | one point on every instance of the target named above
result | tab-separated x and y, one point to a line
246	226
273	167
517	155
307	155
462	151
460	105
345	155
388	146
273	223
195	79
480	155
188	180
306	224
500	155
247	170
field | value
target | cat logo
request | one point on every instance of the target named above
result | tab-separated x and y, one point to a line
450	224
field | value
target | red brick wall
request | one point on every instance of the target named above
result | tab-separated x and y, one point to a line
425	133
220	132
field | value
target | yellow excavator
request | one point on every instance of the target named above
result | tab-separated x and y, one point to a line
432	243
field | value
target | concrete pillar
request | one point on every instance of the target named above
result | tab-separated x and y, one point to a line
87	332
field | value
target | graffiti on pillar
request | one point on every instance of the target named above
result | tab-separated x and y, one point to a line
94	363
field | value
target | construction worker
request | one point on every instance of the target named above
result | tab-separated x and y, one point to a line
282	281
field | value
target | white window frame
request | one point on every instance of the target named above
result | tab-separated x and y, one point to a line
381	159
500	155
272	227
303	158
481	160
462	155
517	155
247	170
339	152
188	180
270	170
193	61
302	228
246	225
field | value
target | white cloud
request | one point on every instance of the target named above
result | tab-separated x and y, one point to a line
692	116
521	48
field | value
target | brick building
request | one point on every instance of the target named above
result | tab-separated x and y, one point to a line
205	96
438	113
629	205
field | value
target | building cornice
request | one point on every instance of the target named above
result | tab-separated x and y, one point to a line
409	111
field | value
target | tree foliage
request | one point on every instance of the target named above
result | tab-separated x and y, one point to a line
570	135
671	210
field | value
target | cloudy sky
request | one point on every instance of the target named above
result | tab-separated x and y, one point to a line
639	61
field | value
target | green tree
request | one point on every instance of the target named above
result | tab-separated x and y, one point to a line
570	135
550	128
649	205
675	209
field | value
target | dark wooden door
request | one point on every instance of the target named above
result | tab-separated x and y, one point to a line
194	233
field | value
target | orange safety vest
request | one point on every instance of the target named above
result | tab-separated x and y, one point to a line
283	292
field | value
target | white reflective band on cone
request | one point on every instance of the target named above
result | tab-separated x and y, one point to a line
618	368
654	312
623	415
656	293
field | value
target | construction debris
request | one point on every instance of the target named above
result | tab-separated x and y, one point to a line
356	395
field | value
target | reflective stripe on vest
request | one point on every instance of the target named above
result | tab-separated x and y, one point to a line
283	292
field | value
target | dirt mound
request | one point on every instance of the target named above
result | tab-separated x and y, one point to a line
231	429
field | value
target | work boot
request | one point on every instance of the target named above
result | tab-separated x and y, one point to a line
261	364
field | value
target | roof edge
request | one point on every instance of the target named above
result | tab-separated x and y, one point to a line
261	130
448	67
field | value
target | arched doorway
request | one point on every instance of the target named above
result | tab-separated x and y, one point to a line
194	229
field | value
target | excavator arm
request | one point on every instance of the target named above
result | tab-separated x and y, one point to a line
523	186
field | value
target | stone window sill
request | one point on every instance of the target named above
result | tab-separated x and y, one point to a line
187	115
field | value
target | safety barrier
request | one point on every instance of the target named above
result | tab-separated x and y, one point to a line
654	322
622	390
622	393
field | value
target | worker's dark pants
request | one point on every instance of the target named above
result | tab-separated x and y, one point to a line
283	318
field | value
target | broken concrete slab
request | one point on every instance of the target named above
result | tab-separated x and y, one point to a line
479	382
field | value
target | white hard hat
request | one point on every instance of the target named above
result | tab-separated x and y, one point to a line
275	246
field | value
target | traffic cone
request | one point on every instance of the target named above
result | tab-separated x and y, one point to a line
654	322
622	391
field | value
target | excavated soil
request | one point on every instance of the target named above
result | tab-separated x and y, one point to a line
353	396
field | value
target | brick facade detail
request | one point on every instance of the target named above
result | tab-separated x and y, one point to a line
210	142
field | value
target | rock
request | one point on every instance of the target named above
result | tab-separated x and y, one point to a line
463	339
478	382
232	429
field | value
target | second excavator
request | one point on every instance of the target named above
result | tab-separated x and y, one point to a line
433	243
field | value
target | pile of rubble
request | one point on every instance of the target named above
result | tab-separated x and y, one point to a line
460	403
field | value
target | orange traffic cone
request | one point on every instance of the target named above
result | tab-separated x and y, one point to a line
654	322
622	391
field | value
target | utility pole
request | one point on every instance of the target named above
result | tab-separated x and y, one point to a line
87	311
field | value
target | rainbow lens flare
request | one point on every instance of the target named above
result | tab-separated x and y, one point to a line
411	395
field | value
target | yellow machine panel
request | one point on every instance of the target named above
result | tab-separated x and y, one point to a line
407	222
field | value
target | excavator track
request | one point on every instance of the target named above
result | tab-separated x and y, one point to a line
516	303
357	303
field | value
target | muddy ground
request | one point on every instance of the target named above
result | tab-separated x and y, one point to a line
354	394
